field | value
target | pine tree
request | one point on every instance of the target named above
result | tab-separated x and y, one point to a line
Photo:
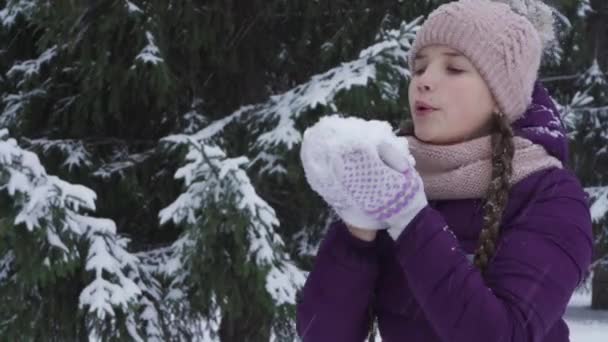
121	96
50	246
583	86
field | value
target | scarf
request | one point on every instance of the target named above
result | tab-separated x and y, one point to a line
464	170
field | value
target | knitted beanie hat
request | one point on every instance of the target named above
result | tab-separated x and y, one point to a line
503	45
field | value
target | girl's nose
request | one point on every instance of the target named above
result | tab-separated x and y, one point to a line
423	87
425	81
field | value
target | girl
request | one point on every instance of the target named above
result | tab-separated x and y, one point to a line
489	234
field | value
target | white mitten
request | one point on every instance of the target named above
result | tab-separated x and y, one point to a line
316	156
365	172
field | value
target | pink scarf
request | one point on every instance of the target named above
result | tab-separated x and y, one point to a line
464	170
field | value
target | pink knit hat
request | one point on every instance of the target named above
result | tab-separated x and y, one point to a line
504	46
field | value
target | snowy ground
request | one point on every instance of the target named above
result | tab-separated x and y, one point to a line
586	325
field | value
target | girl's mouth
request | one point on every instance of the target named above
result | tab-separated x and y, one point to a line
422	108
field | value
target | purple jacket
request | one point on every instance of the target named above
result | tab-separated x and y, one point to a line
424	288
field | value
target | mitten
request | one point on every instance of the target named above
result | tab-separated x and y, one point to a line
382	180
364	172
316	154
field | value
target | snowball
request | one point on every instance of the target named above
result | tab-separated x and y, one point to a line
334	133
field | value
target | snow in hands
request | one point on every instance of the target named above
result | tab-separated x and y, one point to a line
347	159
337	131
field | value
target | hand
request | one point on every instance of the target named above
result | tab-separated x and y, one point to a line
382	181
370	181
316	155
362	234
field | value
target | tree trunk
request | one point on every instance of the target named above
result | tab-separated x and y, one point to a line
598	27
599	295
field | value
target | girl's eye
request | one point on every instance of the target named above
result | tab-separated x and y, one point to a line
455	70
450	70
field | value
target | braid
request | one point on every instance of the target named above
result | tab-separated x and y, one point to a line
498	191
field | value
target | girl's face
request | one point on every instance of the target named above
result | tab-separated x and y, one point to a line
449	100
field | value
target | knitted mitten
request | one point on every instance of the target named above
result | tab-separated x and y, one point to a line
364	172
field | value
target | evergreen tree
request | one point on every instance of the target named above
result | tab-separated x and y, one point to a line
580	81
121	96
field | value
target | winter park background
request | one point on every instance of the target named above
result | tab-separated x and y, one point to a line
150	184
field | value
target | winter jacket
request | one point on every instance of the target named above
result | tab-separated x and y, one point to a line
423	287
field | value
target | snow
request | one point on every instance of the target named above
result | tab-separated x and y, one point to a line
132	8
211	176
282	111
101	295
168	263
210	328
335	133
571	112
14	103
210	131
31	67
322	89
319	91
58	209
43	192
150	53
15	8
599	202
151	316
584	8
278	281
585	325
55	241
193	120
43	198
271	163
594	75
76	154
6	262
121	162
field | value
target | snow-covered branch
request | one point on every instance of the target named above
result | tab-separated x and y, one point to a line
282	111
322	89
150	53
570	112
29	68
16	8
599	202
15	103
77	155
57	208
6	266
210	176
122	162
